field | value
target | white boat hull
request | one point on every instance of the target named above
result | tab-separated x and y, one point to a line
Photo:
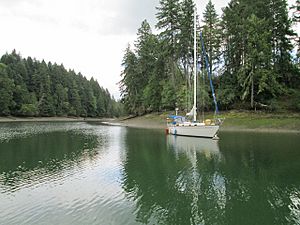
195	131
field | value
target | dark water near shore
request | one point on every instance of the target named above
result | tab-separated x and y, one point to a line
86	173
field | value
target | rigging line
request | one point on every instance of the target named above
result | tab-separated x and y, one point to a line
209	74
203	92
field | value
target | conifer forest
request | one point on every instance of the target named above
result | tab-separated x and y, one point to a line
29	87
253	50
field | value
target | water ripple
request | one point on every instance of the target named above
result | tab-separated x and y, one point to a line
81	173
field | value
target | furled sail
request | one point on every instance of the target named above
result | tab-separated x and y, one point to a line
192	112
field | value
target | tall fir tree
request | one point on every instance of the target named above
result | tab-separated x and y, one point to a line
128	85
296	20
6	92
212	35
186	37
168	23
282	46
147	52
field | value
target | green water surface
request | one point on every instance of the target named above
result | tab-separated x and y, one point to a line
87	173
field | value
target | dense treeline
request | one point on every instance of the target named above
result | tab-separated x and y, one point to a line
29	87
252	48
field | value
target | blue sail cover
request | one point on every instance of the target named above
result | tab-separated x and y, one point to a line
176	117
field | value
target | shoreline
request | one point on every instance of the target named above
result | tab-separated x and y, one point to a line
151	121
51	119
222	128
239	123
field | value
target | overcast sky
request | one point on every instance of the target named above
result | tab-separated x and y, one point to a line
88	36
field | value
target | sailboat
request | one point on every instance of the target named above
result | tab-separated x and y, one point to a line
182	126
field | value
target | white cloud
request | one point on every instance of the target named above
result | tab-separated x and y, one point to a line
89	36
67	32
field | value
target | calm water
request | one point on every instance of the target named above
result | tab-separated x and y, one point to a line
80	173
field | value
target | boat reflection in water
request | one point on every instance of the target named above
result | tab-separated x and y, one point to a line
173	179
191	146
201	181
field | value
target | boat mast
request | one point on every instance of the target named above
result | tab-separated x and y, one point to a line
195	66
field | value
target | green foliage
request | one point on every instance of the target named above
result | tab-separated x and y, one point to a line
45	105
28	110
185	42
212	34
33	88
128	84
249	49
181	98
257	49
294	99
168	96
227	97
6	92
168	22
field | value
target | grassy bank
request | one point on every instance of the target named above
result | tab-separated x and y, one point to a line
243	121
261	121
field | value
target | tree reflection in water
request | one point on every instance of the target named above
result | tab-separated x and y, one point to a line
182	180
53	153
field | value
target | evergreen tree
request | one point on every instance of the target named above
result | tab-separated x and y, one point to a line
146	59
296	19
233	55
91	102
211	32
45	99
29	106
281	33
167	16
251	42
33	88
186	37
74	99
6	91
148	77
128	84
256	75
61	100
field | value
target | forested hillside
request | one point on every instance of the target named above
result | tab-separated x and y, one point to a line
29	87
253	53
